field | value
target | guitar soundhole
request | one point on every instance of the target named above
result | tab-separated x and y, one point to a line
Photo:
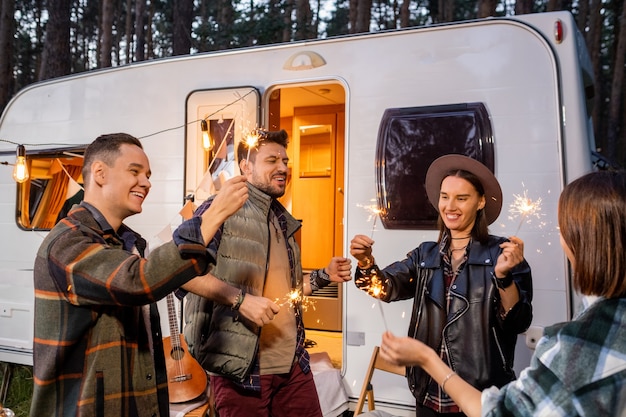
177	353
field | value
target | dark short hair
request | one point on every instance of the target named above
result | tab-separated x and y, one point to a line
265	136
106	148
592	221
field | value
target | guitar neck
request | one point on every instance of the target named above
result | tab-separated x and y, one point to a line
171	312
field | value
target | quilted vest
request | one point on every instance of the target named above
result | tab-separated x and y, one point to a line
219	338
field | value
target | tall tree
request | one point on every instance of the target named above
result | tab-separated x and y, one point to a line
56	58
353	9
304	21
183	17
617	88
106	33
363	15
405	14
288	9
487	8
129	32
594	44
140	33
7	29
525	6
446	10
583	15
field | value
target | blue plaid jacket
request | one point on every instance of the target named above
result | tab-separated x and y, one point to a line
579	369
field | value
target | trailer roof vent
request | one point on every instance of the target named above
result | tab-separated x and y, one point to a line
304	60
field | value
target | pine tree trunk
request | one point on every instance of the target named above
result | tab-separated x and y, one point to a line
617	87
106	33
405	14
140	33
7	28
183	16
363	16
56	59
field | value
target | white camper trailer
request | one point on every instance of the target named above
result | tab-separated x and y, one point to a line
366	114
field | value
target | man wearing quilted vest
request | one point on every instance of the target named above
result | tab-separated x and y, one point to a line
253	347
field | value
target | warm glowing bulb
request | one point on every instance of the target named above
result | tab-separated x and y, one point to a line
207	140
20	171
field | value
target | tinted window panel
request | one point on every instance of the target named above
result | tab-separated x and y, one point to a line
409	139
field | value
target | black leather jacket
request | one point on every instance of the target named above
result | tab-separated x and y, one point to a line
480	344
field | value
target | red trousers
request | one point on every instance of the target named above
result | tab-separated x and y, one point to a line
284	395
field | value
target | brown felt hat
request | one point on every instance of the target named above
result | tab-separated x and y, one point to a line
442	165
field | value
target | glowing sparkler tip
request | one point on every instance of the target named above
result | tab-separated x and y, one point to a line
295	299
252	140
525	207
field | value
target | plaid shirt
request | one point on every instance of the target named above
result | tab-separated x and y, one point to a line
578	369
436	398
97	347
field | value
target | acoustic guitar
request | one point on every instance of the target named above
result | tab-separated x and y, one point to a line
186	379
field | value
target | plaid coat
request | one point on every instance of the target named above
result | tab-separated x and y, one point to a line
578	369
98	344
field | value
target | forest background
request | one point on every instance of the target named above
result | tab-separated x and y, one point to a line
42	39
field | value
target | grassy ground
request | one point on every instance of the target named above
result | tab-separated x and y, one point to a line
20	388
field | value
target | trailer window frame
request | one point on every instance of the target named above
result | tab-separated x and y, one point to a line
38	206
409	139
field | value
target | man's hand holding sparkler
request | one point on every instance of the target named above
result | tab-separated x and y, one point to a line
256	309
259	310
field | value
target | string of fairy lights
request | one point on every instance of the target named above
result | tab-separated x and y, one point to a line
522	207
20	167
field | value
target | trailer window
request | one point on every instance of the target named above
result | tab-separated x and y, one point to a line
409	139
53	187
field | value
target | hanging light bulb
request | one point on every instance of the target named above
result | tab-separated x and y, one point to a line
207	140
20	171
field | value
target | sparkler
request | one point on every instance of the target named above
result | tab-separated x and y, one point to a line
374	212
376	289
294	298
251	142
525	208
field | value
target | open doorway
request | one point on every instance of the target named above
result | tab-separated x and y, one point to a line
313	115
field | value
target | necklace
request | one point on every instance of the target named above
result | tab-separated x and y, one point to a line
459	238
458	249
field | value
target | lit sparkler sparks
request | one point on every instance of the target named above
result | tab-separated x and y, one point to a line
525	208
252	140
376	289
295	298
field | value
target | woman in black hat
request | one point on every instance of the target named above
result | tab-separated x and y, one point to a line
579	367
472	291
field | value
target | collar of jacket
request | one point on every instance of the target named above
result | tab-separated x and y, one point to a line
265	203
478	254
87	215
